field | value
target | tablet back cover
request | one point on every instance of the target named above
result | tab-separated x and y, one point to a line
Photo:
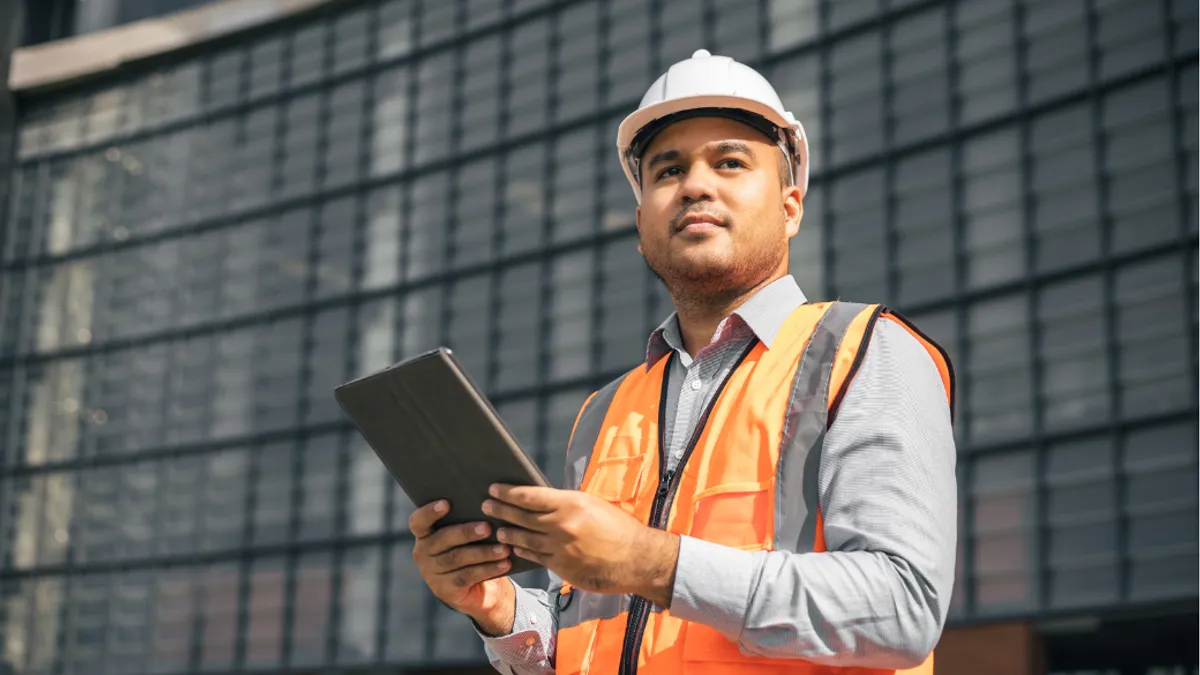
439	437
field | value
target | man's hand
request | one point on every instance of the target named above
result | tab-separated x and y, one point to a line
462	574
587	541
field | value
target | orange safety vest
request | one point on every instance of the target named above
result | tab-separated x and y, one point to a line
747	480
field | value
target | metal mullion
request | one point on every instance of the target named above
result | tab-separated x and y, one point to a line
1108	307
888	160
825	112
555	130
961	322
291	562
651	281
404	205
499	210
451	281
603	84
1031	287
1178	120
545	252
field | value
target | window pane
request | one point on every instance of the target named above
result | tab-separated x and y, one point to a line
860	264
219	610
426	250
381	250
1074	357
319	485
470	307
273	501
792	22
1004	532
1153	337
856	98
917	67
474	222
1141	165
628	69
1056	56
623	300
992	209
311	603
985	57
571	316
390	121
408	602
174	608
1081	514
520	327
224	499
1129	35
434	91
922	216
369	481
1065	215
344	148
1160	466
481	88
327	363
998	373
524	199
575	180
264	637
528	76
360	605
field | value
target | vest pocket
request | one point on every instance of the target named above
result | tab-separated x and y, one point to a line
616	479
738	515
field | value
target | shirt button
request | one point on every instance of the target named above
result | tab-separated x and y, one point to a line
695	385
532	618
529	641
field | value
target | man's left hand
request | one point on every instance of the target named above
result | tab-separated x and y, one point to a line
589	542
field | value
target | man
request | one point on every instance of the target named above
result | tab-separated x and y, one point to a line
773	490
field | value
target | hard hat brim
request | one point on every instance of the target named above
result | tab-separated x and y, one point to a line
638	119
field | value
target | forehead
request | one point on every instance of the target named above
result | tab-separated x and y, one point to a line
692	134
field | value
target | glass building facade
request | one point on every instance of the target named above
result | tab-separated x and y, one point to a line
197	251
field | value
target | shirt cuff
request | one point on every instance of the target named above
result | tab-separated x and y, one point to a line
528	641
713	584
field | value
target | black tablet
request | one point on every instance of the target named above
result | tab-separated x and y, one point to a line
439	437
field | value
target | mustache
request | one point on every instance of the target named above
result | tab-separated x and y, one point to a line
721	216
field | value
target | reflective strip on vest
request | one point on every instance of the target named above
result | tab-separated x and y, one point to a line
796	508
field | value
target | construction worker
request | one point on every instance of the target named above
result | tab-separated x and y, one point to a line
773	489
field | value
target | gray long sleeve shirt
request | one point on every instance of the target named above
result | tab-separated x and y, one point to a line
879	595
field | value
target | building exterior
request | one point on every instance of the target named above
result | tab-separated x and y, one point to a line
266	199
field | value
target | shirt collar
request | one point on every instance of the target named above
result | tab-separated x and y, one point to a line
763	313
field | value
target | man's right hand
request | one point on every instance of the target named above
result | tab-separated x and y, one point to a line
461	573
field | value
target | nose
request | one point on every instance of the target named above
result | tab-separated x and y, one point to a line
697	184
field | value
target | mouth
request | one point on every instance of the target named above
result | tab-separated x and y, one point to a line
699	222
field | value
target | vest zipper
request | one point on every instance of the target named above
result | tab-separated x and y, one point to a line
660	510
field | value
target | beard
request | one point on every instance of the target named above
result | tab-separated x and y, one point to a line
713	281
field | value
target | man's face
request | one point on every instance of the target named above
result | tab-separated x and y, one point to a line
716	214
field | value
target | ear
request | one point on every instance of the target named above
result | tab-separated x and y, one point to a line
793	209
637	219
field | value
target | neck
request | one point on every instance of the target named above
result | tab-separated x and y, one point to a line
700	314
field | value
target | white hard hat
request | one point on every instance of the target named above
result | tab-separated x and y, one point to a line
707	85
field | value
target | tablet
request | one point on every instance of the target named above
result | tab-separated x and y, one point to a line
439	437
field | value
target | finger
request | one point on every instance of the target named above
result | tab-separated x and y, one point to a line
466	556
516	515
528	497
519	538
469	576
455	535
539	558
420	523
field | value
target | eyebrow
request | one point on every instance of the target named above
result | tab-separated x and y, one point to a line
721	148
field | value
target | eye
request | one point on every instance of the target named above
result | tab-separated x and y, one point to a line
731	163
667	172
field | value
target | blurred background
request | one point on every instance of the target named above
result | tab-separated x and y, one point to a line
211	213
